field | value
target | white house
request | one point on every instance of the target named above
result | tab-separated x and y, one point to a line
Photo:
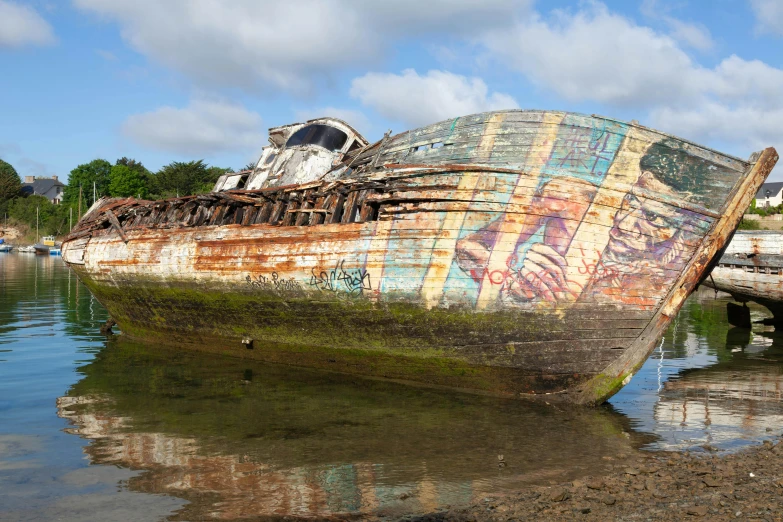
769	195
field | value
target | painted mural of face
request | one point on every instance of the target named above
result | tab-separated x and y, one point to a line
643	227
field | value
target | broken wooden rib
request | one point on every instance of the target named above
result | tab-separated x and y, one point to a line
528	253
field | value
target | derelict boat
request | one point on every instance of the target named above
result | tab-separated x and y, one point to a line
751	269
514	252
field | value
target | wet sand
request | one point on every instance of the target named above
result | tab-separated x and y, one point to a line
746	485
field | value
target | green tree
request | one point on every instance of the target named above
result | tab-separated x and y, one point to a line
125	181
146	175
24	211
95	173
184	178
180	178
10	184
52	219
58	222
132	164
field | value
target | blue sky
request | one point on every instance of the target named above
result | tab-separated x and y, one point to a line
203	79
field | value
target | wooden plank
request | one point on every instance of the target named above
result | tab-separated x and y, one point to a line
336	209
369	209
265	213
303	218
289	217
277	211
321	203
249	215
349	210
116	224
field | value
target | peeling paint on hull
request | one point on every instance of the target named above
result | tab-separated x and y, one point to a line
544	253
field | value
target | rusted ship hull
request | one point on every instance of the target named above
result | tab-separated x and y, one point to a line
751	269
530	253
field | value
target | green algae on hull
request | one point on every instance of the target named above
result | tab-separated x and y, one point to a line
403	342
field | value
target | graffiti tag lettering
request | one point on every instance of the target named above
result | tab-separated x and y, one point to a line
352	280
274	282
598	269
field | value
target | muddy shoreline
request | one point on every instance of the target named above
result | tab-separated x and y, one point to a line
746	485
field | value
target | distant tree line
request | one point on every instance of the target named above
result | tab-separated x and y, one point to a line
96	179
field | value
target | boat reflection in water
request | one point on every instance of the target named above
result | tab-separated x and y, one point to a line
239	439
735	400
709	384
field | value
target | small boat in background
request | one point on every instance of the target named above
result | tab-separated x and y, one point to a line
55	251
30	249
46	244
751	269
5	247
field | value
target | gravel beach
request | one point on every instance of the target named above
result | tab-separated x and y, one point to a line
746	485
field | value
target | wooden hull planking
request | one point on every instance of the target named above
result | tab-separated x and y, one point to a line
541	253
751	269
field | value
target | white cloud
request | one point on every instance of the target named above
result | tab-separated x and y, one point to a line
746	127
265	44
597	55
594	55
737	79
769	15
692	35
448	16
21	25
419	100
586	55
355	119
246	43
202	128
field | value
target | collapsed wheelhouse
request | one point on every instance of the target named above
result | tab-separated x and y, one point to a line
298	153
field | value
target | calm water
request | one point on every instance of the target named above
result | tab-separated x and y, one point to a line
97	428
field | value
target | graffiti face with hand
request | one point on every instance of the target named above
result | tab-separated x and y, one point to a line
643	226
543	276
